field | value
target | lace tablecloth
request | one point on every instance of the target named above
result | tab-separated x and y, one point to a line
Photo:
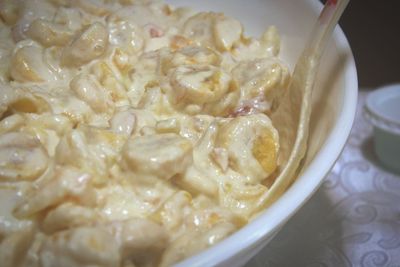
352	220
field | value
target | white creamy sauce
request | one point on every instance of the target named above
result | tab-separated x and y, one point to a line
132	133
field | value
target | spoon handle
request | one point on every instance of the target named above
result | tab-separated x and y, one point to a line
293	114
323	28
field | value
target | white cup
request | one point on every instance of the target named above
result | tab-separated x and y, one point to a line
382	109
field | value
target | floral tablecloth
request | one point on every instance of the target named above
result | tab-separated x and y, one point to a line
352	220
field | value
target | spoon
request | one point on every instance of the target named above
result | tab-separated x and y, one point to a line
293	114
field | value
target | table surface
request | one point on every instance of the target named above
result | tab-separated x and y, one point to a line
352	220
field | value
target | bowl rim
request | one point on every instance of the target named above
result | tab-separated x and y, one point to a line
298	193
373	112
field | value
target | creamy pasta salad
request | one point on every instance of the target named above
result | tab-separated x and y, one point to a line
132	133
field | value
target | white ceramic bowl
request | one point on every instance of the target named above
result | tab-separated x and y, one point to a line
335	101
383	111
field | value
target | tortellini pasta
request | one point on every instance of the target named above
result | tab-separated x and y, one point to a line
86	46
48	33
215	30
161	155
28	65
22	157
132	133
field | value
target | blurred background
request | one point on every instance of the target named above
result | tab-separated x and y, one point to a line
373	30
